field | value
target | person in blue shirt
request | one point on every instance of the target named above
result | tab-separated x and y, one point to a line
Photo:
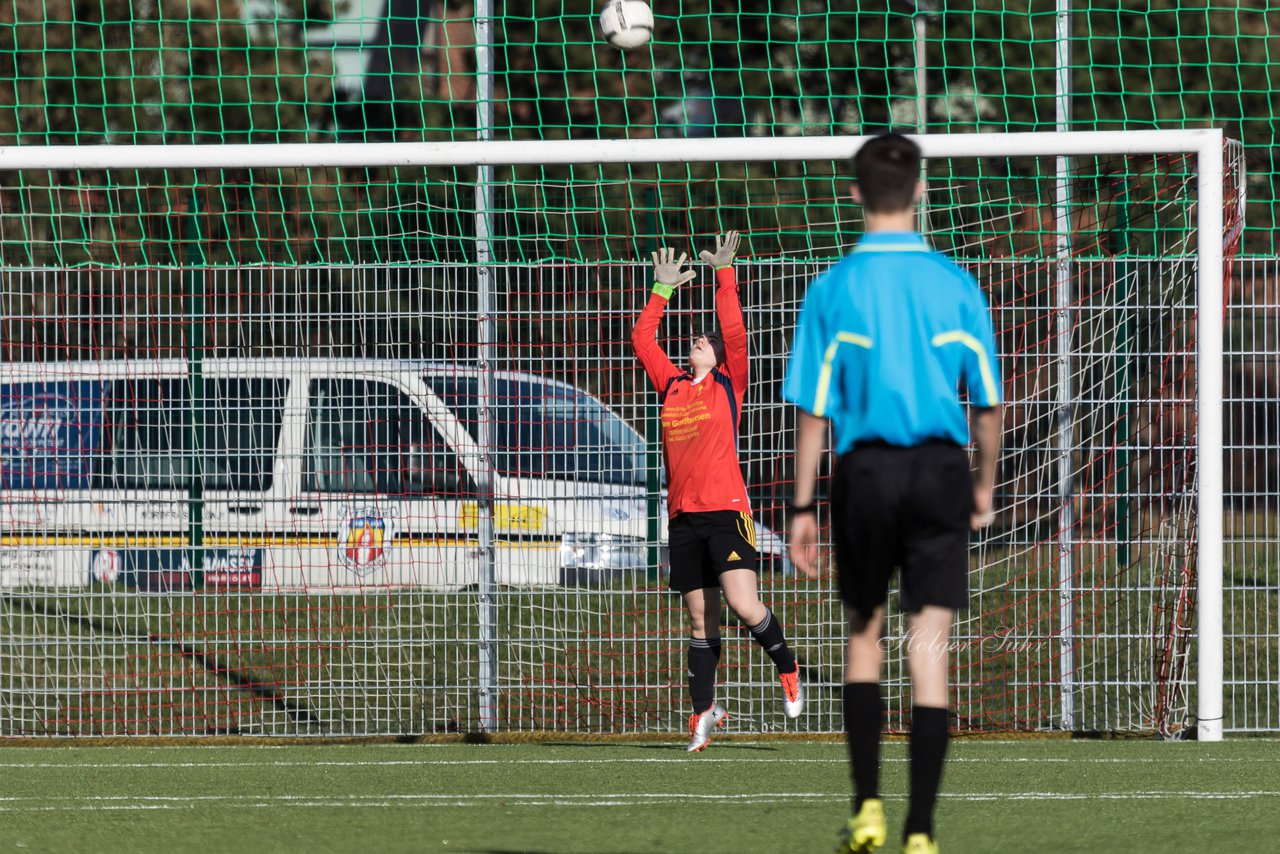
886	340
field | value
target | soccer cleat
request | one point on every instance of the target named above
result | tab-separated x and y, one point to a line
866	831
701	725
919	843
792	693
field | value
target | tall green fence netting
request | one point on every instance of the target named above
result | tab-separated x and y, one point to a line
241	418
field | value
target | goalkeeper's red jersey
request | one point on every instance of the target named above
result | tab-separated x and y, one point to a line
700	420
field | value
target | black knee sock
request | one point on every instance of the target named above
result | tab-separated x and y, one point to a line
769	635
863	720
928	750
704	656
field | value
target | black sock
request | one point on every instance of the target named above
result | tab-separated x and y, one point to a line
769	635
928	750
704	656
863	720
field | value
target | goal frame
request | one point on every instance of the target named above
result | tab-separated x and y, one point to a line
1207	145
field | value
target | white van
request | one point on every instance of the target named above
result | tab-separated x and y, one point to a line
318	476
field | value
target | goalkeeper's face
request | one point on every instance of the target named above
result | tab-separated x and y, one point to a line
705	355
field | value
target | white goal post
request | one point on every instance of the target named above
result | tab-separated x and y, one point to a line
1208	147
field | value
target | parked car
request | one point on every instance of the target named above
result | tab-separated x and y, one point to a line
313	475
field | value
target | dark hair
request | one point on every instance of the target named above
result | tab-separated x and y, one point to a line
716	340
887	168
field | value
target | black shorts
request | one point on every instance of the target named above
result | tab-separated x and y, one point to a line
703	545
904	508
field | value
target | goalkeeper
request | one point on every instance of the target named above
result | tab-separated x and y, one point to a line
884	340
711	533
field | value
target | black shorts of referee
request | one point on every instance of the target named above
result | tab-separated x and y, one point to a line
905	508
707	543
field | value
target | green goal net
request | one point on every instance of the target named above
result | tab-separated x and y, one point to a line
244	408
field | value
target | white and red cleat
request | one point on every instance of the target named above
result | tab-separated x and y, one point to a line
701	725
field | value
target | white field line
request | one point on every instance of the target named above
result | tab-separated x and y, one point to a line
701	760
632	799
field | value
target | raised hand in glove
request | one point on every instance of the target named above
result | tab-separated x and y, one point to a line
667	275
726	248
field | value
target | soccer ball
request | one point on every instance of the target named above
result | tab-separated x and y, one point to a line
626	24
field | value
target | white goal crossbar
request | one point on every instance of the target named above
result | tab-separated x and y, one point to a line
1207	145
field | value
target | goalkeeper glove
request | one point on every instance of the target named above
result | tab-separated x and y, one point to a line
667	275
726	248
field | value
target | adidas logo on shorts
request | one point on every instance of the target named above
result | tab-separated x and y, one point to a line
733	556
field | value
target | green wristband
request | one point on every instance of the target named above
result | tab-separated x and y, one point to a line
664	291
728	266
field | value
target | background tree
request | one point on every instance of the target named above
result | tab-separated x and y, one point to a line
167	71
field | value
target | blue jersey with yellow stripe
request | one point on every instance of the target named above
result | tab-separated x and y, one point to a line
885	340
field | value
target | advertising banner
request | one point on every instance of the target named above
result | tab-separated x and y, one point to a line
49	434
169	571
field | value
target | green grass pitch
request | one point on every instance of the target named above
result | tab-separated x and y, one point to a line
608	798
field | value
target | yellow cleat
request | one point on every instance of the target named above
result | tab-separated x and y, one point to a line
919	843
866	831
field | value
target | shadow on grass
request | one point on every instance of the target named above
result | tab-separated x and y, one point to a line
525	851
673	746
716	747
